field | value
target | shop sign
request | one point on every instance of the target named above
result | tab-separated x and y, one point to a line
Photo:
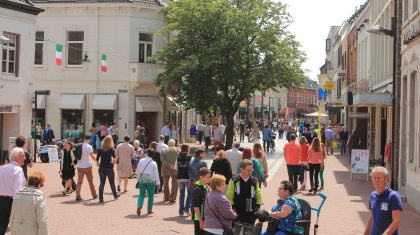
412	32
8	109
329	85
342	73
359	161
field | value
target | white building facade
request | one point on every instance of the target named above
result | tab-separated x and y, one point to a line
17	25
82	95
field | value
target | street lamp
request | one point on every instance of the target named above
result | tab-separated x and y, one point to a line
379	30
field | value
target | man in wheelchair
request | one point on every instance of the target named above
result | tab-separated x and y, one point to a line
286	214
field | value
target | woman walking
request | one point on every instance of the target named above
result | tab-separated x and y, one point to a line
257	171
105	159
184	182
124	153
67	167
29	211
222	166
218	212
304	147
138	154
315	160
156	158
259	154
148	177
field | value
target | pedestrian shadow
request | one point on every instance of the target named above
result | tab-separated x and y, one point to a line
179	220
58	195
135	216
72	202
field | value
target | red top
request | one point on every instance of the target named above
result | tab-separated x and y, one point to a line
291	153
316	157
304	148
387	154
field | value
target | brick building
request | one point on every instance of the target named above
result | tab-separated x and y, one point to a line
303	99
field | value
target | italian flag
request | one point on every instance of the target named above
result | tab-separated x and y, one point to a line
104	67
58	54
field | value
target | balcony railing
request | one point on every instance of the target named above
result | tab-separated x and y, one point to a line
145	72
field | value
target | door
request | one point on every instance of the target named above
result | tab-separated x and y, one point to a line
362	128
147	120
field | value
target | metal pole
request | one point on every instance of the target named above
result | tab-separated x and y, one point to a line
394	158
35	126
262	107
269	110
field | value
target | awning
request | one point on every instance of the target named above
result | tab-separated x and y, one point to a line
372	99
9	109
72	102
148	104
104	102
40	102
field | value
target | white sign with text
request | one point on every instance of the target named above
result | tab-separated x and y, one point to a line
359	161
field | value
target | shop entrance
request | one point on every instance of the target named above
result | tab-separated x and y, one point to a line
72	125
147	120
103	116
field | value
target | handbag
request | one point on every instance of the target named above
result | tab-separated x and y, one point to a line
139	177
226	230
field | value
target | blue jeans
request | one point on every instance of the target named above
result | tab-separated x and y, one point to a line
343	147
150	189
184	206
277	233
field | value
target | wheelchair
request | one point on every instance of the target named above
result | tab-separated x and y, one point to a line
263	216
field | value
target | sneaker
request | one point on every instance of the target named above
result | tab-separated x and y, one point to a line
187	213
118	188
117	196
311	190
315	190
64	193
78	199
150	212
321	188
101	200
95	197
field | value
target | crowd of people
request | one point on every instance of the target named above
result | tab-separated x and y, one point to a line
218	198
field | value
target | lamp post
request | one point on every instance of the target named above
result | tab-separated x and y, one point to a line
377	29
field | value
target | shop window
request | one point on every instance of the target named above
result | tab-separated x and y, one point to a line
72	124
103	116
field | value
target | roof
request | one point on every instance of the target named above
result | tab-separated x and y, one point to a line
21	5
311	84
142	2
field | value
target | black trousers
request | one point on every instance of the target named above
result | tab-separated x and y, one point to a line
207	141
104	173
200	136
242	136
293	172
166	139
5	210
197	230
313	174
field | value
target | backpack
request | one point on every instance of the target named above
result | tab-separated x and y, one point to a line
255	172
78	151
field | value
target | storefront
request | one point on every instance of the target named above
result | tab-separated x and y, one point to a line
104	108
72	116
147	110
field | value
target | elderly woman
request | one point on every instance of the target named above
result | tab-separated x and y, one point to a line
288	211
29	211
218	214
138	154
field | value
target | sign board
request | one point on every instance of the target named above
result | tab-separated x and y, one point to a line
9	109
329	85
53	154
360	161
342	73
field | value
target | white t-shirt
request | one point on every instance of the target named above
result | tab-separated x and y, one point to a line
84	161
218	134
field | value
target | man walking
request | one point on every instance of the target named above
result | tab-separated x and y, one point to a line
207	136
344	135
166	132
20	143
293	156
196	164
385	205
12	181
84	167
244	194
200	129
234	156
329	137
242	132
217	138
353	142
267	137
48	134
168	157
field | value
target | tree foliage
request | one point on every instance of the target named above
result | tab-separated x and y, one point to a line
224	50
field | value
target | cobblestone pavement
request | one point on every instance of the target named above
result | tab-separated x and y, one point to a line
345	211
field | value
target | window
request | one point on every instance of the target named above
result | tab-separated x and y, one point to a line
39	47
328	45
9	55
145	46
405	11
75	41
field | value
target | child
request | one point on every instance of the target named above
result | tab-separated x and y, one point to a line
199	195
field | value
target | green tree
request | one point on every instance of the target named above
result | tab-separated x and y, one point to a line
224	50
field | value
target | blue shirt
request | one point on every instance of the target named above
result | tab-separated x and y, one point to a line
195	165
329	134
267	134
166	131
382	206
287	224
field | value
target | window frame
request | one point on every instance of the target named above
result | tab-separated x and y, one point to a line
9	48
145	46
68	48
40	42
